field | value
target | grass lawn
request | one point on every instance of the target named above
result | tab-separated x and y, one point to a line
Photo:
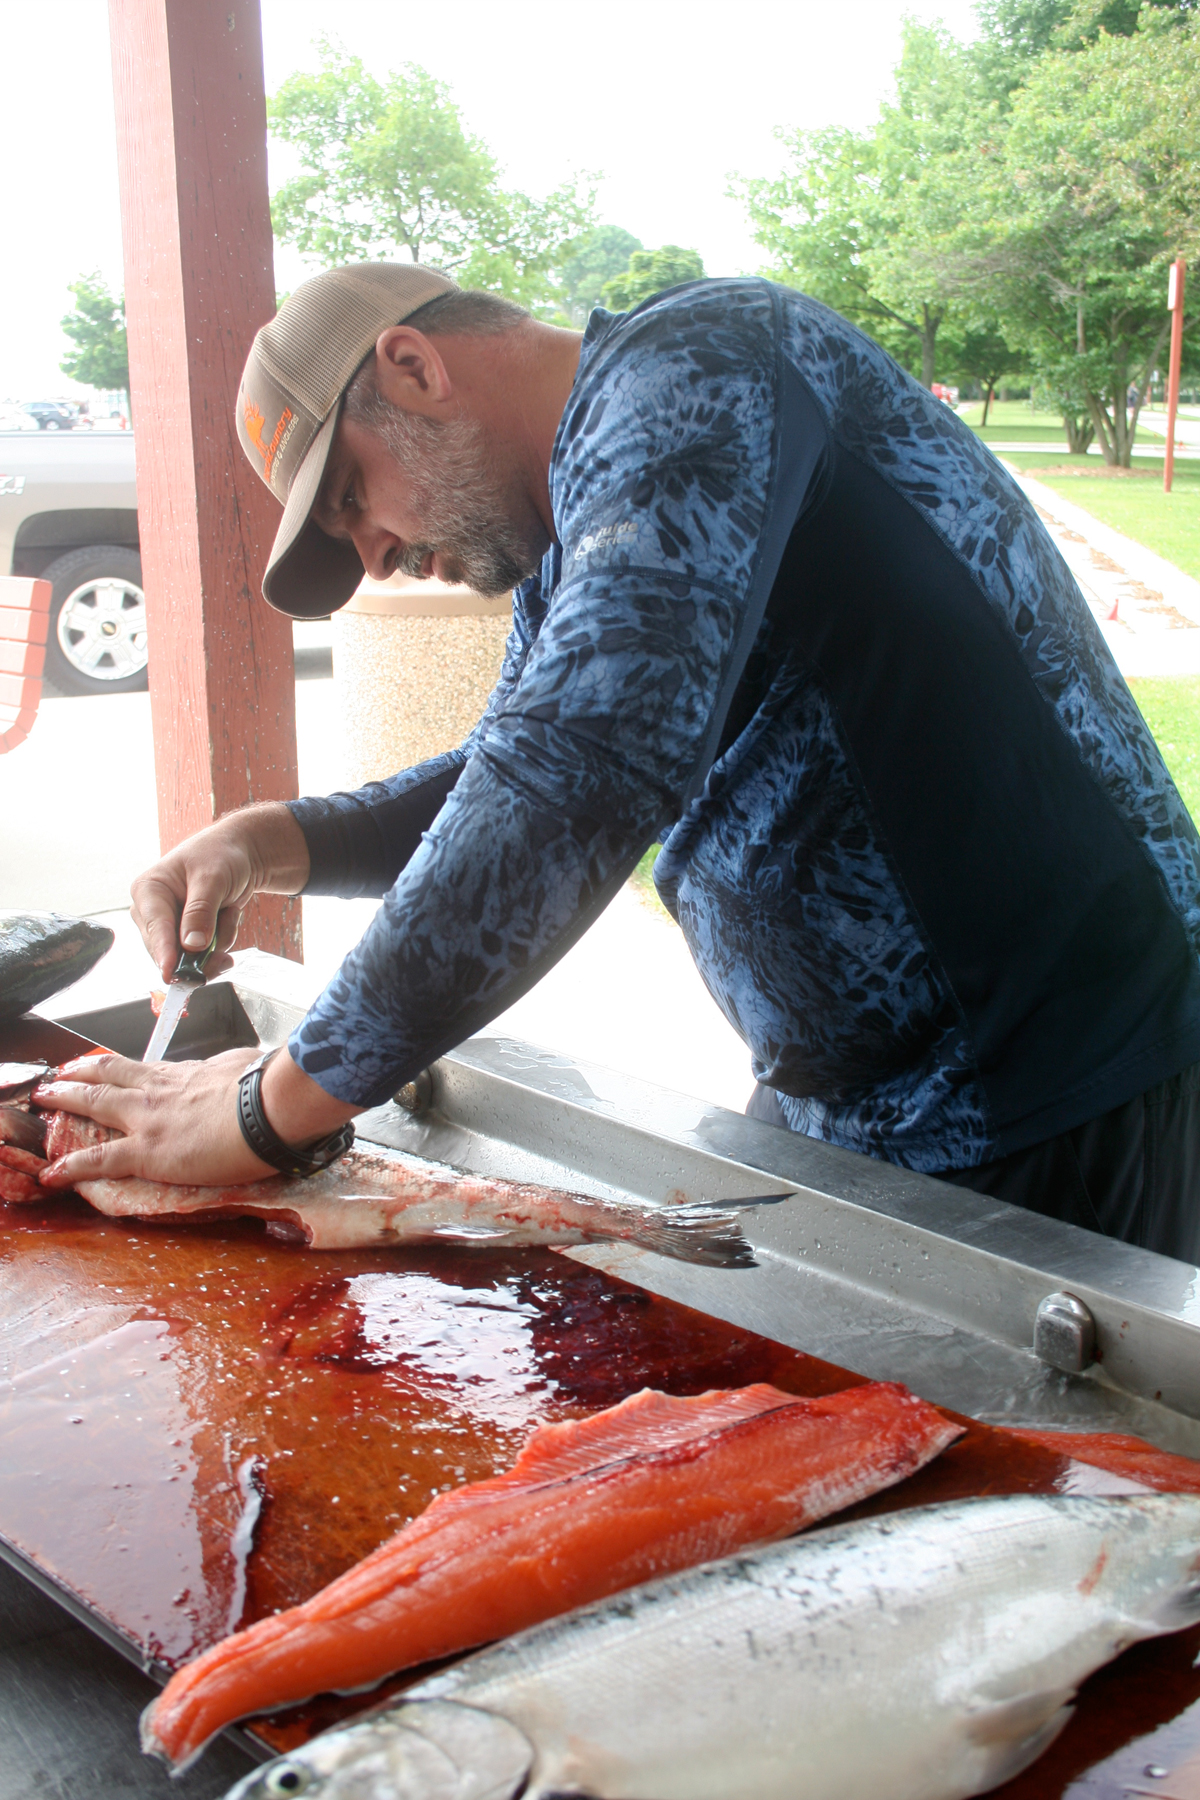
1171	708
1010	421
1132	502
642	883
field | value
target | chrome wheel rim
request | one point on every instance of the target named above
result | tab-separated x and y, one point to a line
102	629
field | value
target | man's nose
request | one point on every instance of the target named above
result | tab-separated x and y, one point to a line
376	549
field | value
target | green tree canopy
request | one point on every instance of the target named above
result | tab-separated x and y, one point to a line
389	170
1096	188
649	272
592	261
1026	190
97	329
985	356
865	220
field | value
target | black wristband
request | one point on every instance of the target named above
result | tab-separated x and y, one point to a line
266	1142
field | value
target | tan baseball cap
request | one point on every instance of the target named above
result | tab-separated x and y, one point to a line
288	405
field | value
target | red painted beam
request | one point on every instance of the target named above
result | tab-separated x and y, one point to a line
199	281
24	606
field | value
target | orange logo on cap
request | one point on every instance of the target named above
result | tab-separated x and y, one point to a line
254	431
254	427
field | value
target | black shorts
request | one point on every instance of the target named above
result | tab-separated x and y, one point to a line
1133	1173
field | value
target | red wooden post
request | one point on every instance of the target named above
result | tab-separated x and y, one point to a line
199	281
24	616
1175	304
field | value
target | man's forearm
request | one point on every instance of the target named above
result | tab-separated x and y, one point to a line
275	844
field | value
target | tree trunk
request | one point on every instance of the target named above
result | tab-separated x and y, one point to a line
1080	432
1103	426
1122	435
987	401
931	318
1143	387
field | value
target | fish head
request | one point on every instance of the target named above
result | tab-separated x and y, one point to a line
417	1750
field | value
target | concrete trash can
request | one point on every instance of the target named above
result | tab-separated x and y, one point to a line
413	665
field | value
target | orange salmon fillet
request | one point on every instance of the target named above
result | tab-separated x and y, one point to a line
1132	1457
591	1506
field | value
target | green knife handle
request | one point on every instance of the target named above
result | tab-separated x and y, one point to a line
190	967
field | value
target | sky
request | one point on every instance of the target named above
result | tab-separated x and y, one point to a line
664	99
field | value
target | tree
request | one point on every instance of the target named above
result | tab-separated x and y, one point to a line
388	169
591	262
1098	188
97	329
1014	33
649	272
866	221
985	356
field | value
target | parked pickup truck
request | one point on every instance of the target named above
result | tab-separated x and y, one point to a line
68	512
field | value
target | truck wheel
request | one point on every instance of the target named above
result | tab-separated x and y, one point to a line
96	643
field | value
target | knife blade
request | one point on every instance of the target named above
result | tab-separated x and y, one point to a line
189	975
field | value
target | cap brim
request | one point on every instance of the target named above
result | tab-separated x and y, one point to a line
309	573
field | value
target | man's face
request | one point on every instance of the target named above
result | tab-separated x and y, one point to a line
423	497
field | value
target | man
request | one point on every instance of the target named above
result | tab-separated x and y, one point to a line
778	607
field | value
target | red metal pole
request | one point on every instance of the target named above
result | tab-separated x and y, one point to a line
1175	303
199	280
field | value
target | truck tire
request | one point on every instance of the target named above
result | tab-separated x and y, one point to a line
96	643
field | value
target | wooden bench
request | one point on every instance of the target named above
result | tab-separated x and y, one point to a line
24	618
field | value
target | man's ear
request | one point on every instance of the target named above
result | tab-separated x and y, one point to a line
409	371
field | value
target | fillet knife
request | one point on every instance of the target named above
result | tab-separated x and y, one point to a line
189	975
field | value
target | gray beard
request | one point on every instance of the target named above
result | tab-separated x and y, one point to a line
456	492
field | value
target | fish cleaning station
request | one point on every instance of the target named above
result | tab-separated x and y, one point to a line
562	1436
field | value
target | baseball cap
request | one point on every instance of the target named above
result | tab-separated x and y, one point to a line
288	406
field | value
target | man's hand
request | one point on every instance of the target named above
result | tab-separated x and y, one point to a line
209	879
180	1119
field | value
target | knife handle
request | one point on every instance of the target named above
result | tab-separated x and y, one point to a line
190	967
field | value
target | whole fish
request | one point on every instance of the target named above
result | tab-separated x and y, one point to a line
41	953
927	1655
654	1484
366	1200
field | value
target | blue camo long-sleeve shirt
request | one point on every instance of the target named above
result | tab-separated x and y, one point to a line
800	624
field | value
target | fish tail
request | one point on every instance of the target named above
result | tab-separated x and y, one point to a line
695	1234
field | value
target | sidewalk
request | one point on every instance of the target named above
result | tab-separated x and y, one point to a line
1156	628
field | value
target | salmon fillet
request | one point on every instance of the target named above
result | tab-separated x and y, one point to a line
652	1485
1132	1457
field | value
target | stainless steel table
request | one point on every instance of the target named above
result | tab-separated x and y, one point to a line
894	1275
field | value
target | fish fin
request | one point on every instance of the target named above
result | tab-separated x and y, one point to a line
695	1234
1014	1733
644	1423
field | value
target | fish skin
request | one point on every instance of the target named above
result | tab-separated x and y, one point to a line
42	953
18	1080
365	1200
654	1484
926	1655
27	1130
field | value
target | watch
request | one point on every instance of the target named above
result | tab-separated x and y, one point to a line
266	1142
